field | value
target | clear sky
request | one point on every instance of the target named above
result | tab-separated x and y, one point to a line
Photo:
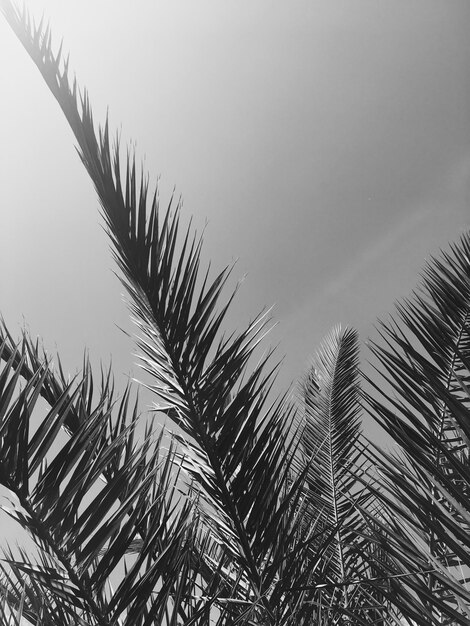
326	142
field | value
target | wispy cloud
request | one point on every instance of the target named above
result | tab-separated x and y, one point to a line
372	252
361	264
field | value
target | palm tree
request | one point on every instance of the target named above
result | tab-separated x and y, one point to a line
222	529
264	510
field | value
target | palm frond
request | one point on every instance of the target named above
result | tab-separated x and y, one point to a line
88	501
330	394
275	525
332	450
238	439
425	357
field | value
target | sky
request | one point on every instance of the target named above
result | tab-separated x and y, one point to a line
325	145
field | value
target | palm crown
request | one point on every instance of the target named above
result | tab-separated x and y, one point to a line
261	509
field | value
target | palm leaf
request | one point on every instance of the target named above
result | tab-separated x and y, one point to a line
239	440
332	450
331	432
87	501
426	364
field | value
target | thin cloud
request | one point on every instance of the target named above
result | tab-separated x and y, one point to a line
370	254
377	250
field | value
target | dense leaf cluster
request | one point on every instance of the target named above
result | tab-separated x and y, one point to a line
253	510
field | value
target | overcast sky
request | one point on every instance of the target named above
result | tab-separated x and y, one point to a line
326	143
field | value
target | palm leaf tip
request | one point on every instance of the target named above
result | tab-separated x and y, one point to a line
330	393
331	418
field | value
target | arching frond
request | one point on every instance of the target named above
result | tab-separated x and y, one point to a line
332	450
237	442
425	360
87	498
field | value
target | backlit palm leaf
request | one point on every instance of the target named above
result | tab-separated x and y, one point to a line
332	450
275	525
85	499
426	360
237	444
